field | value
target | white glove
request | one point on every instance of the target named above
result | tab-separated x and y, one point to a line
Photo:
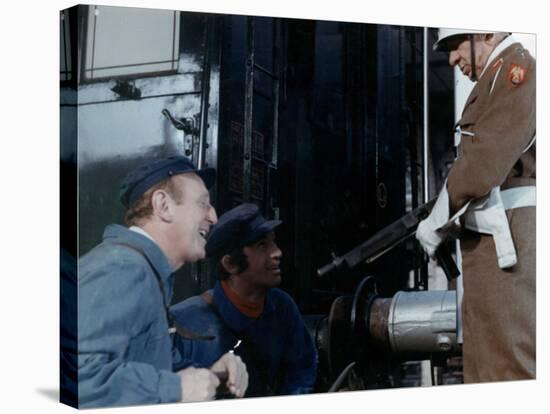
237	375
428	236
427	232
198	384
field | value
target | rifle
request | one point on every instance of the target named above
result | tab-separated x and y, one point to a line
389	237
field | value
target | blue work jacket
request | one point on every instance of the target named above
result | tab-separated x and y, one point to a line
277	349
124	348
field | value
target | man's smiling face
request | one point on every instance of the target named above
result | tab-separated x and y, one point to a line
193	217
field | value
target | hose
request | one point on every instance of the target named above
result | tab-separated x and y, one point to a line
336	385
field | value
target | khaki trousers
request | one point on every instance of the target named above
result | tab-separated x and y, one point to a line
499	309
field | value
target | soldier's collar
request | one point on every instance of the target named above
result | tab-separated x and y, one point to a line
497	51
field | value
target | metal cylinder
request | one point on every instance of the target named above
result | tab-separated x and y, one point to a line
423	322
378	321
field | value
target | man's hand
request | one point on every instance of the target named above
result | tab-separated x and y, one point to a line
430	231
198	384
235	369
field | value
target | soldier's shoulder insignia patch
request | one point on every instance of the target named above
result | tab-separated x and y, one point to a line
516	74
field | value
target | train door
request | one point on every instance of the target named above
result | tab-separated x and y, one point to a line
249	95
147	84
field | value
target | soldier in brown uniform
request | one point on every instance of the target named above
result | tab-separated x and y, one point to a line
491	191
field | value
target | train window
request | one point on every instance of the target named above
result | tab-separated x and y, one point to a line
131	41
65	65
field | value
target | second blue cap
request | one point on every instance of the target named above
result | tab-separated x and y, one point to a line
238	227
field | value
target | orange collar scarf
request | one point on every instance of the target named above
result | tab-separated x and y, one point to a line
251	309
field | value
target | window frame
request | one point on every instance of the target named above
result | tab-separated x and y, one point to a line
83	45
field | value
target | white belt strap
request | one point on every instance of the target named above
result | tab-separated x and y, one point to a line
488	216
519	197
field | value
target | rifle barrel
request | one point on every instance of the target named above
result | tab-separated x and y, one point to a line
382	241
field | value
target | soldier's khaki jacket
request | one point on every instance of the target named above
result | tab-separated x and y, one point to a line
498	124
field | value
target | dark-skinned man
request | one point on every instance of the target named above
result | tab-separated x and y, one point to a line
247	313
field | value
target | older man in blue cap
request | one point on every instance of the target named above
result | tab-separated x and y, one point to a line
126	331
245	311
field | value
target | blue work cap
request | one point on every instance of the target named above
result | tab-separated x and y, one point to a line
238	227
141	179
